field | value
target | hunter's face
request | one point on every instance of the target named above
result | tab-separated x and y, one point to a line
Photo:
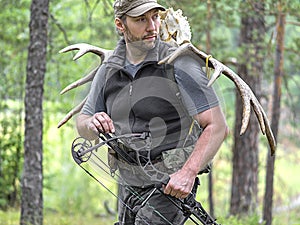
142	31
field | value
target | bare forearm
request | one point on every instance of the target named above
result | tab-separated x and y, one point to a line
206	148
208	144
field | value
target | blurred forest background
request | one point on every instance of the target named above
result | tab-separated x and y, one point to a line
72	197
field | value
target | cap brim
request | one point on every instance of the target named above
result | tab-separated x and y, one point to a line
142	9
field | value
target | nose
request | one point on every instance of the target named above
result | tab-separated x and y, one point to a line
151	25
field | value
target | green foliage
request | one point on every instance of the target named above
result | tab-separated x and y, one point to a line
69	194
67	188
14	40
253	220
10	154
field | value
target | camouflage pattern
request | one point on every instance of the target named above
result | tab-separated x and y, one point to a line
150	174
174	159
157	210
122	7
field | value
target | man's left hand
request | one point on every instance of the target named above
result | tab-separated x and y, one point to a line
180	184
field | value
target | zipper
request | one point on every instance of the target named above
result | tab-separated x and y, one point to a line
130	89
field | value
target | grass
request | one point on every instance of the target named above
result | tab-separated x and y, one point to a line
11	217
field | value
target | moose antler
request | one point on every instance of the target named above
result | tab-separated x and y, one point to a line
175	29
83	49
69	115
248	97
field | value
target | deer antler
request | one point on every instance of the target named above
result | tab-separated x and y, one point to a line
83	49
248	97
74	111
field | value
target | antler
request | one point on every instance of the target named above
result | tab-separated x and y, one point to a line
248	97
175	29
81	81
73	112
83	49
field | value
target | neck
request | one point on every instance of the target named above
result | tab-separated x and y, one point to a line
135	55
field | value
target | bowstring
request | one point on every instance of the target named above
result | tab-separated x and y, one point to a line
106	188
91	161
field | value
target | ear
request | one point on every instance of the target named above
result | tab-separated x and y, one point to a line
119	24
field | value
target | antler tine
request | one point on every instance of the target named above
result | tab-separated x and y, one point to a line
81	81
85	48
71	113
248	97
181	50
270	136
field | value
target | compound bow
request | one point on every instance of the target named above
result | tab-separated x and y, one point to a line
83	151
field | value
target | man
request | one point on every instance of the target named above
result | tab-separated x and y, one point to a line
131	93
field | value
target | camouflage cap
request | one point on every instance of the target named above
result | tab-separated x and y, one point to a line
135	8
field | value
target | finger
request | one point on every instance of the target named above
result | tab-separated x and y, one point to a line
109	123
96	125
175	193
103	122
167	189
184	195
178	195
93	127
181	194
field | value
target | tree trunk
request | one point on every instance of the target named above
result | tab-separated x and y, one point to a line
208	51
32	179
278	74
245	149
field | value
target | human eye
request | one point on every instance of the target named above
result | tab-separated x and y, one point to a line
156	16
140	19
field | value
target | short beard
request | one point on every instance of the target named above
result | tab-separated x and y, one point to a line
138	42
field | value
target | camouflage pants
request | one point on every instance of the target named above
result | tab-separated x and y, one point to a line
157	210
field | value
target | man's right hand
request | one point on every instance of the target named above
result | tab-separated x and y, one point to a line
101	122
89	127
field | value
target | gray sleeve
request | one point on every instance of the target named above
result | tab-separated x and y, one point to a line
192	82
95	101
